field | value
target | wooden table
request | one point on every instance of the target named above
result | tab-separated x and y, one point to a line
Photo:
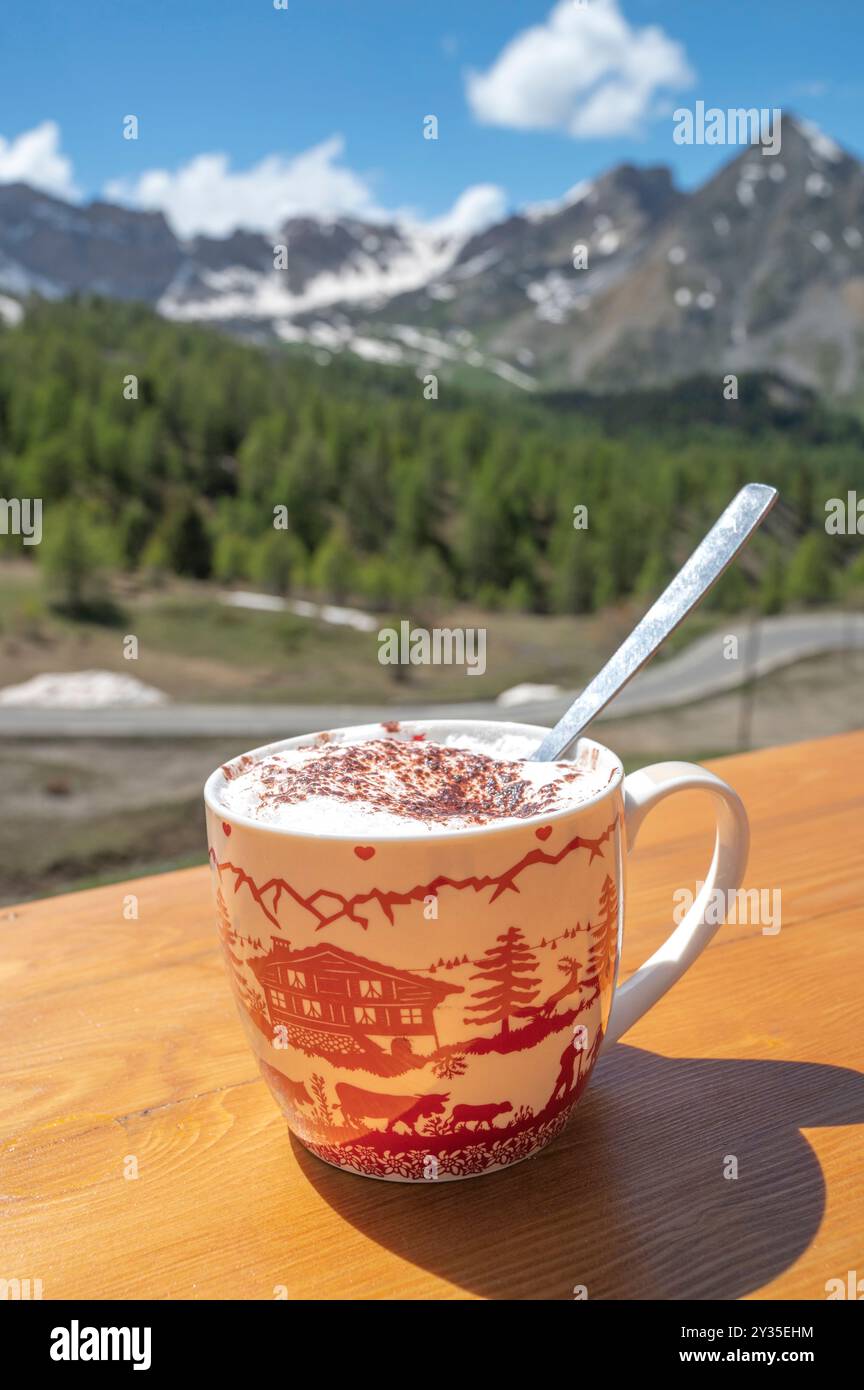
122	1055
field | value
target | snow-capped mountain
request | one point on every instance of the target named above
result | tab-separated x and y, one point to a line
309	265
623	281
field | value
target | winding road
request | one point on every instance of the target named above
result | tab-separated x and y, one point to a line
710	666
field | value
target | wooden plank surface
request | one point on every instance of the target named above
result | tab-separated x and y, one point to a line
121	1054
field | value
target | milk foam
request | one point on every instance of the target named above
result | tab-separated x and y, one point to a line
407	782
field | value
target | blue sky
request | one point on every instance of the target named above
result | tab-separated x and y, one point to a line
351	80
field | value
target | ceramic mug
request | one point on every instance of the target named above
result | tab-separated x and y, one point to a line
432	1006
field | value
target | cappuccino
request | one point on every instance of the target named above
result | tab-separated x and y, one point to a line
404	782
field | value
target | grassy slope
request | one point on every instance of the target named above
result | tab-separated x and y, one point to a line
197	650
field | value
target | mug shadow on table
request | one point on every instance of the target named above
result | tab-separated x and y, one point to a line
631	1200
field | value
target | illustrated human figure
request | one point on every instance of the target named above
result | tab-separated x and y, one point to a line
565	1072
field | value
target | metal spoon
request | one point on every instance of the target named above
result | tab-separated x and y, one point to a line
729	533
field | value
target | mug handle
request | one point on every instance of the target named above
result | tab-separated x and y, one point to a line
642	792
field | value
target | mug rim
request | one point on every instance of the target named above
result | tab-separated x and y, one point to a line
217	778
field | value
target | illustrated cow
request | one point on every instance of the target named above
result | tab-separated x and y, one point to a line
358	1105
481	1116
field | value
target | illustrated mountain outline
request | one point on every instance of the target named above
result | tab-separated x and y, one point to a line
269	894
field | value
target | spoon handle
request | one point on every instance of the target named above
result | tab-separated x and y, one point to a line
729	533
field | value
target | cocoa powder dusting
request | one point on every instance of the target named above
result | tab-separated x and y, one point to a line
232	770
415	780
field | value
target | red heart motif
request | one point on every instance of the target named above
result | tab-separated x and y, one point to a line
544	832
226	827
364	851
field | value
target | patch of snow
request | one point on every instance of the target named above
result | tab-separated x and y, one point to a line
423	342
513	375
258	603
608	242
333	336
421	256
82	690
538	212
441	292
555	296
683	297
706	300
820	144
326	612
11	312
676	255
373	350
331	613
290	332
526	693
817	186
17	280
476	265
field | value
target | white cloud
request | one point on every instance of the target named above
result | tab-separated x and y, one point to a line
208	196
815	88
34	157
585	71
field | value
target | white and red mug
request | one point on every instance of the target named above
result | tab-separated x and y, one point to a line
432	1006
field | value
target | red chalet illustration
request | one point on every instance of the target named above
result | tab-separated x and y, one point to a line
331	1001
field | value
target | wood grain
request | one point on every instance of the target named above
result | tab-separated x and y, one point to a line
119	1043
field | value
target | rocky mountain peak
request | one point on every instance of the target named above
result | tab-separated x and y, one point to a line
624	280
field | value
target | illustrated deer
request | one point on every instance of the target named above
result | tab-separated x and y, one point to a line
570	967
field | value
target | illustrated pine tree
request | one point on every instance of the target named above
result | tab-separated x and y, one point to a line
226	930
322	1111
603	937
448	1067
511	987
